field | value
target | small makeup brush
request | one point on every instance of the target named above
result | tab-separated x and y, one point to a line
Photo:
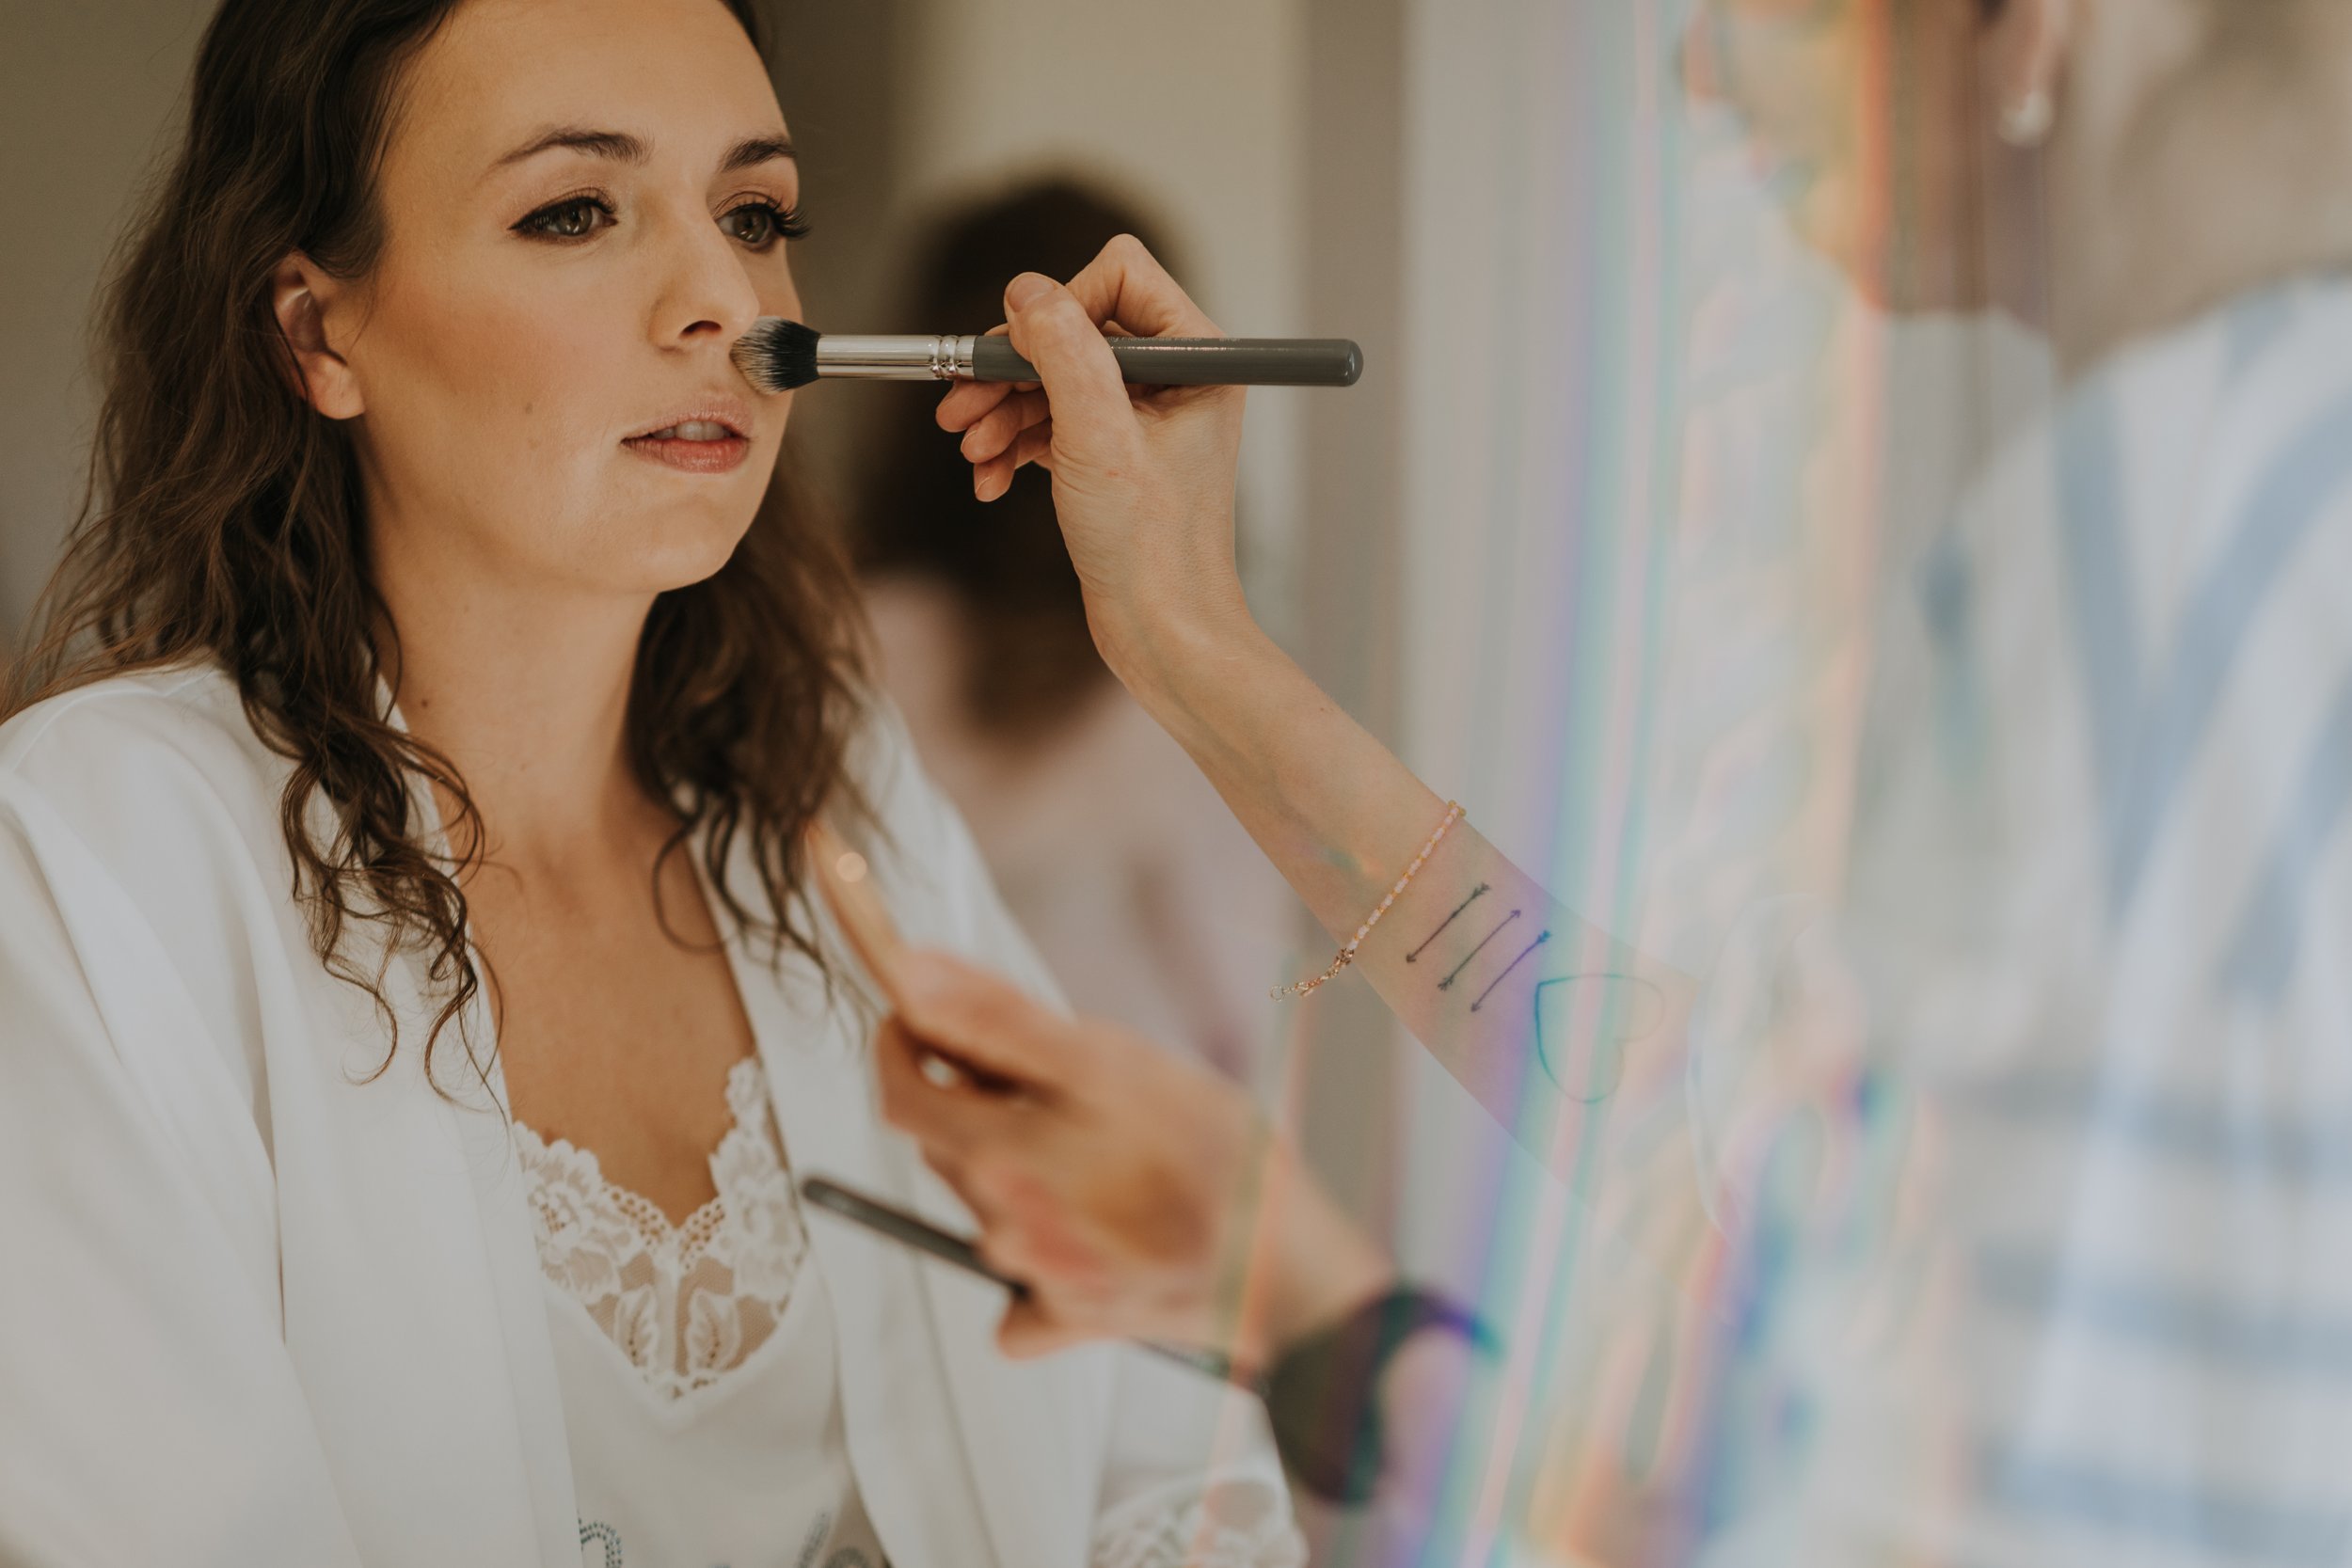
777	356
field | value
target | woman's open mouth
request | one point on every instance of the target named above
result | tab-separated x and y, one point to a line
697	446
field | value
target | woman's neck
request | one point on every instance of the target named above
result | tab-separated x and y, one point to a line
526	692
2183	176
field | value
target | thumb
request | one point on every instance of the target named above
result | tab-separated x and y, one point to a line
986	1020
1092	418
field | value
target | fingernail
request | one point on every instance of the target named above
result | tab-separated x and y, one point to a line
940	1073
1026	290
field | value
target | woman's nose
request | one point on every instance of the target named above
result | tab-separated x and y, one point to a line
710	291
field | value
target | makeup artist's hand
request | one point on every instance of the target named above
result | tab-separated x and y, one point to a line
1138	1196
1143	477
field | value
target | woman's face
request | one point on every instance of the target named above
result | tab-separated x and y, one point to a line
585	204
1868	120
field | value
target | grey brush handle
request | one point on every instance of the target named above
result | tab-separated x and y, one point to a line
1200	361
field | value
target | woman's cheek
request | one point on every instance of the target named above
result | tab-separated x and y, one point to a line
546	365
778	294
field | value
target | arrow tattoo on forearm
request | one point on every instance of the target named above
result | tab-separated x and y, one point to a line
1447	984
1477	893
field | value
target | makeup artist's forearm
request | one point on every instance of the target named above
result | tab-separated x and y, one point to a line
1459	956
1336	811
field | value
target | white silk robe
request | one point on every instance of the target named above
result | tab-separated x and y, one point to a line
255	1310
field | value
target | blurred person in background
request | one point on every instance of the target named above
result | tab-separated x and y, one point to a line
1995	1211
1144	896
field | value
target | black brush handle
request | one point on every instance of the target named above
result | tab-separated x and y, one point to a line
923	1235
1200	361
904	1227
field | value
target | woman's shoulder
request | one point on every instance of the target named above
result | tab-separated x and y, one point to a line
136	756
129	718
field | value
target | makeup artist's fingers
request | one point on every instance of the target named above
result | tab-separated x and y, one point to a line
991	477
968	402
975	1016
951	1123
1001	425
1035	445
1055	333
1126	283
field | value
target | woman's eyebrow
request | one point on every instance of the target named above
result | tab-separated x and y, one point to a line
624	148
757	150
617	145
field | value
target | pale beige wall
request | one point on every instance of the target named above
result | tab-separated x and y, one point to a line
86	93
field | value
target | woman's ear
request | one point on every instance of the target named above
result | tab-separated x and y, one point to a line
303	297
2026	45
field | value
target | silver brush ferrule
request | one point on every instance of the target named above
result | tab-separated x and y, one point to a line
908	357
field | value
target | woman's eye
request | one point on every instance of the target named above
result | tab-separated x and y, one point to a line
760	224
575	219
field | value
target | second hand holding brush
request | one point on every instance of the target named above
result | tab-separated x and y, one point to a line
840	875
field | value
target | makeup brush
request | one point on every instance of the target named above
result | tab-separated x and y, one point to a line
777	356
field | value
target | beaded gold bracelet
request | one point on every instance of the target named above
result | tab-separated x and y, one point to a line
1348	954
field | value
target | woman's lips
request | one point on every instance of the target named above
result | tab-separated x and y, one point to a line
696	456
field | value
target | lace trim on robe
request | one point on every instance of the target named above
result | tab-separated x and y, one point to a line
1228	1522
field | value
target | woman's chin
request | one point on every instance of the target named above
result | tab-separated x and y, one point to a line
676	550
683	568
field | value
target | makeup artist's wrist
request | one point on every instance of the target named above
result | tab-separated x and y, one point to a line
1188	669
1318	1266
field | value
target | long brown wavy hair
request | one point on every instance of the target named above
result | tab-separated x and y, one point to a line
223	522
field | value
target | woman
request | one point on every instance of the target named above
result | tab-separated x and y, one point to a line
2082	1302
406	972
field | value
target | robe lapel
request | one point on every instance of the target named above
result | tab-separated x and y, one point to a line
909	1467
414	1311
412	1192
511	1259
1037	1430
